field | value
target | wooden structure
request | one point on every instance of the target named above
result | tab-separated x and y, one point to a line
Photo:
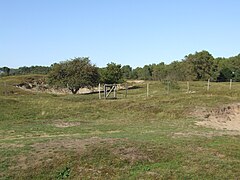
108	89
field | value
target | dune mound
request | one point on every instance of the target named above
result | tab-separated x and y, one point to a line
225	118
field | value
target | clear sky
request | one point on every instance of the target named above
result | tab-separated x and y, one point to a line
133	32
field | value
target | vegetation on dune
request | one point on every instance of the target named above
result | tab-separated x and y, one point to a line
152	132
197	67
111	74
47	136
74	74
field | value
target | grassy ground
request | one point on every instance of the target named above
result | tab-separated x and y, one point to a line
46	136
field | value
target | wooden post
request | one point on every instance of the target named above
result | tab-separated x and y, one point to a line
168	87
126	88
230	85
208	85
5	88
147	89
99	91
114	90
188	87
105	91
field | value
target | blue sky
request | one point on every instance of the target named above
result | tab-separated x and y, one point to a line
133	32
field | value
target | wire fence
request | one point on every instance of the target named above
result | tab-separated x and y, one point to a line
161	88
153	88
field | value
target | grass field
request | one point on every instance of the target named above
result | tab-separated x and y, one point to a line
47	136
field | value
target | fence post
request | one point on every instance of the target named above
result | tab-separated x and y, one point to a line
147	89
230	85
5	88
208	86
188	87
126	87
168	87
99	91
105	91
114	90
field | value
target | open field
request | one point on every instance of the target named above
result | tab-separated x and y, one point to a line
47	136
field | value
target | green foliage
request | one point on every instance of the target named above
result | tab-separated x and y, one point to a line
147	72
136	73
24	70
170	85
159	71
4	71
144	73
74	74
65	173
236	75
201	64
127	72
175	71
198	66
33	70
111	74
225	75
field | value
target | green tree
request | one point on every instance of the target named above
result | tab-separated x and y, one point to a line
6	70
144	73
159	71
228	68
127	72
201	65
74	74
111	74
24	70
225	75
147	72
175	71
137	73
236	75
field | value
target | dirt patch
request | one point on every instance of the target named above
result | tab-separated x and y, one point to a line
63	124
203	134
71	144
11	146
132	154
223	118
112	132
53	150
136	81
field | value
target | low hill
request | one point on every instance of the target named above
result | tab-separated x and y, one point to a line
165	135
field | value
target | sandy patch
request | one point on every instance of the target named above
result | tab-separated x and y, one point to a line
203	134
136	81
11	146
223	118
63	124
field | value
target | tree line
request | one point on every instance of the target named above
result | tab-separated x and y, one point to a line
6	71
198	66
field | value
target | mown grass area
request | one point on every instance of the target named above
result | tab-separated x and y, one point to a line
47	136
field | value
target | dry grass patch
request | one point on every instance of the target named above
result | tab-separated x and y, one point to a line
210	134
64	124
46	153
131	154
